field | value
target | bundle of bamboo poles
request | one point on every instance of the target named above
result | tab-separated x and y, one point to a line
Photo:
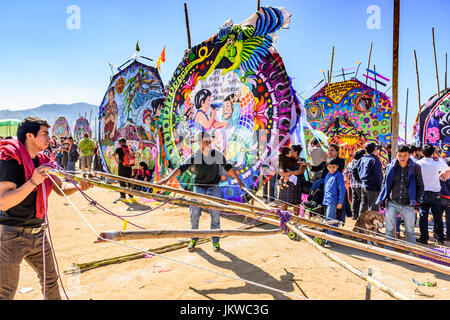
256	211
272	218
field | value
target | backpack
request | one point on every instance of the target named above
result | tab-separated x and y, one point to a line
128	157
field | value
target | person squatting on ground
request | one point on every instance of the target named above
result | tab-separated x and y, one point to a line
205	165
401	190
23	204
431	198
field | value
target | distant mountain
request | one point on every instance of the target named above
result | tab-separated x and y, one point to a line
51	112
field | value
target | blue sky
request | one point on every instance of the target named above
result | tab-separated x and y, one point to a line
42	61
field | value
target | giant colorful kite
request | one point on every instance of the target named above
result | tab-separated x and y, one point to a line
61	128
350	113
432	124
233	85
81	126
131	109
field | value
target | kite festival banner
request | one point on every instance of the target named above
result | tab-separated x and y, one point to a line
61	128
81	126
351	114
131	109
235	87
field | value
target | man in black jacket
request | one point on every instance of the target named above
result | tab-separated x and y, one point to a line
369	172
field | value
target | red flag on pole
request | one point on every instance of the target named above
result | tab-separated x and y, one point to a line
161	59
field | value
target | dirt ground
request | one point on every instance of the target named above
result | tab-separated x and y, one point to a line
274	261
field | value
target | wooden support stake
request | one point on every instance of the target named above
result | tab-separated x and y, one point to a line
370	55
187	25
395	52
417	76
406	114
435	63
258	5
331	68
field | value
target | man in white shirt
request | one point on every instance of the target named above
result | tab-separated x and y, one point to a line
431	199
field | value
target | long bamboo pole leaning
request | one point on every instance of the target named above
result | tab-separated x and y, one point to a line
343	263
177	191
187	25
158	234
368	63
435	63
417	76
242	209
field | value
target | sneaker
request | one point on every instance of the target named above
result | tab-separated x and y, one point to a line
439	242
422	241
191	245
327	244
127	200
119	199
272	204
216	246
388	259
84	175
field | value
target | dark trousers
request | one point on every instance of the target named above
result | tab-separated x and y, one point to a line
16	246
356	202
270	189
431	200
446	208
125	172
368	200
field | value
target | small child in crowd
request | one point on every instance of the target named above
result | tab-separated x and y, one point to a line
334	192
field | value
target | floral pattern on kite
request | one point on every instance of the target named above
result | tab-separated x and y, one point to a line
235	87
81	126
61	128
131	109
351	114
433	123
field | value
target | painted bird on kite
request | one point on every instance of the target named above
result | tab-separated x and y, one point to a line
246	46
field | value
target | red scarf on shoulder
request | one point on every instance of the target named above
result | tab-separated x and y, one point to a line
13	149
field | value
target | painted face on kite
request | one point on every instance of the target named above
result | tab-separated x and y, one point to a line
235	87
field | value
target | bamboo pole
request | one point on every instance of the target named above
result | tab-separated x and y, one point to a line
187	25
378	284
82	267
350	243
406	114
417	76
177	191
395	53
375	77
370	55
258	5
435	63
344	264
158	234
239	208
445	71
331	68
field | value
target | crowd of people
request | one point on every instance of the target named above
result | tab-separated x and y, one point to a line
406	190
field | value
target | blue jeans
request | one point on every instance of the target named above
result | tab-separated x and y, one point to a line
409	217
330	214
196	212
70	166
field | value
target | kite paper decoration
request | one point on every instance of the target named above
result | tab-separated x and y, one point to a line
81	126
350	113
235	87
61	128
433	123
131	109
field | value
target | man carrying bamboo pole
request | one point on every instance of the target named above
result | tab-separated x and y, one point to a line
205	163
24	192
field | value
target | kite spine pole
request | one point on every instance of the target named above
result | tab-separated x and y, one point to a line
395	49
435	63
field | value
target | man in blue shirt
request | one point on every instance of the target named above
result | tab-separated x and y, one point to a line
334	193
369	172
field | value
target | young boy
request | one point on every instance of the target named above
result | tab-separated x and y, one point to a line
334	193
